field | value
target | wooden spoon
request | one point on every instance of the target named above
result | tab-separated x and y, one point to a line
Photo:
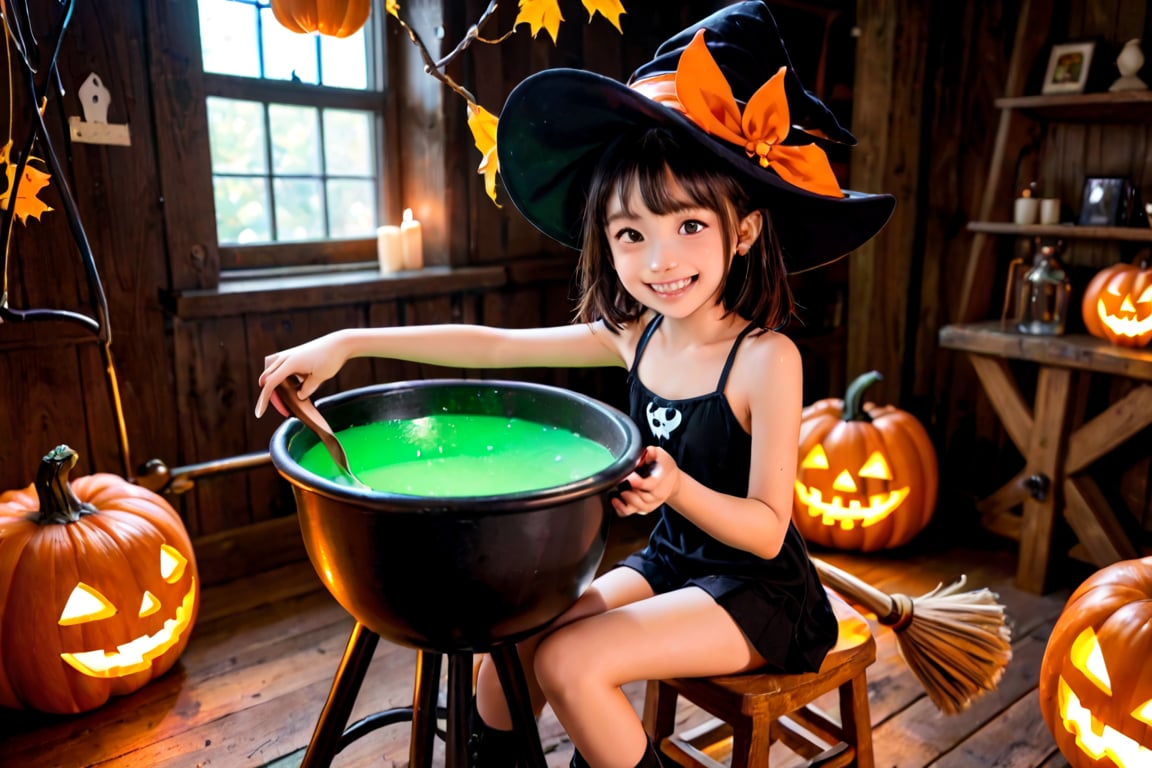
311	418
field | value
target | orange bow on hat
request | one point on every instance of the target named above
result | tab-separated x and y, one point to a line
698	89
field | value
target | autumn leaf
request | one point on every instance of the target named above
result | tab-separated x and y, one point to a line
539	14
609	9
482	123
392	7
33	180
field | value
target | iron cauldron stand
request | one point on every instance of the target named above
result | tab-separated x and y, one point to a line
451	576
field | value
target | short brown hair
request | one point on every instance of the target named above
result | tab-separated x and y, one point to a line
755	286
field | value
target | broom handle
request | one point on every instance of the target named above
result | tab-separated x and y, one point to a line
880	603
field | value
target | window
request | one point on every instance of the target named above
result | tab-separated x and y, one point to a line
295	126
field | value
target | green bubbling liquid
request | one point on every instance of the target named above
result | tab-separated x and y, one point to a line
460	455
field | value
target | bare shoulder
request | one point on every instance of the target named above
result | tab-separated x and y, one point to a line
622	340
769	351
767	373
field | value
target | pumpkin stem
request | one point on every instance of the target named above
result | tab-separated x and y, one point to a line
853	410
58	503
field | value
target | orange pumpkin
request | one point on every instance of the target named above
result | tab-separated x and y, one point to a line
337	18
98	589
1117	304
1096	674
867	475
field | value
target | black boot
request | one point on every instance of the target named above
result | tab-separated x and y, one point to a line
489	747
651	759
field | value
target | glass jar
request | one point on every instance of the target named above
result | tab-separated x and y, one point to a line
1043	293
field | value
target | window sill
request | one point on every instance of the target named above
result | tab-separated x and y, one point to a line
250	294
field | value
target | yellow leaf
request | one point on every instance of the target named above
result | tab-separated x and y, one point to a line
33	180
609	9
482	123
539	14
392	7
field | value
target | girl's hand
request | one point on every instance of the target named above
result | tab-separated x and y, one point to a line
650	486
312	363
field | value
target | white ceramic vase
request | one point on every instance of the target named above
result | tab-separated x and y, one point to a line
1129	62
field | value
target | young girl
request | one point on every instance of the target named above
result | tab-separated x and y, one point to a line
691	192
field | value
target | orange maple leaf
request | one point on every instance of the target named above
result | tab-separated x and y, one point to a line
392	7
31	182
609	9
539	14
482	123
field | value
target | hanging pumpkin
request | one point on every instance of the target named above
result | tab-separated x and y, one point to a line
1117	304
336	18
867	475
1096	674
98	589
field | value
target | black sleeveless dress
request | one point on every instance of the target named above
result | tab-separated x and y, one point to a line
779	604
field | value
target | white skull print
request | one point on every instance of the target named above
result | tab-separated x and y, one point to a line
662	420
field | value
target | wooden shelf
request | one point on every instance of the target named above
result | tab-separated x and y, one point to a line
1108	107
1064	231
1077	351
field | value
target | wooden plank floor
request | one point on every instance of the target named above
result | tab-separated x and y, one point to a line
250	686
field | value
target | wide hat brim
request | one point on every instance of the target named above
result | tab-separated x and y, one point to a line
557	123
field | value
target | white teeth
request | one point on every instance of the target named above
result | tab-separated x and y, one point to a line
672	287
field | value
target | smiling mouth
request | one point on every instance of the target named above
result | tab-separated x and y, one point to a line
136	655
675	286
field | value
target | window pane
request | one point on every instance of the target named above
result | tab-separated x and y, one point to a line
228	38
295	139
236	135
288	55
348	143
351	208
242	209
299	209
344	61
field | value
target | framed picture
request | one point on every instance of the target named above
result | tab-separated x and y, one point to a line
1068	67
1105	201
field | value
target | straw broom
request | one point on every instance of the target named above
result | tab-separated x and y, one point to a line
956	643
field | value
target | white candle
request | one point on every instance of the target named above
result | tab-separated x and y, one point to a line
388	249
411	241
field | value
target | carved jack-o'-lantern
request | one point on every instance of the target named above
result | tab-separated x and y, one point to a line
1117	304
1096	675
98	589
867	475
336	18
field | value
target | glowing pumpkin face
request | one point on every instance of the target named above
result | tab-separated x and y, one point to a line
1096	675
1117	305
867	476
98	584
157	618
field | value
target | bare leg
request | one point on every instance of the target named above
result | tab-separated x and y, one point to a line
618	586
582	666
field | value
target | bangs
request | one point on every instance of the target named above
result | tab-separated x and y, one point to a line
668	180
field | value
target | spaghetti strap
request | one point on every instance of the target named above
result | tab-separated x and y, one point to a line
644	338
731	358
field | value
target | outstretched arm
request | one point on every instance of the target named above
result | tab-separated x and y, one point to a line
453	345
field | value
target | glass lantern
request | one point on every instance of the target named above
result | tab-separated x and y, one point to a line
1042	292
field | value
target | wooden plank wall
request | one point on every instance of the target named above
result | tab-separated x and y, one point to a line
966	70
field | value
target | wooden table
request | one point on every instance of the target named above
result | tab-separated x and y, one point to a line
1056	455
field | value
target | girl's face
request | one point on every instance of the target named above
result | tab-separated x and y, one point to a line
673	263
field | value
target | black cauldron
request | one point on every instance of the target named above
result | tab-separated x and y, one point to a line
457	574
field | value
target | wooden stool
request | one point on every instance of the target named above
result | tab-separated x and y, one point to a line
753	710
